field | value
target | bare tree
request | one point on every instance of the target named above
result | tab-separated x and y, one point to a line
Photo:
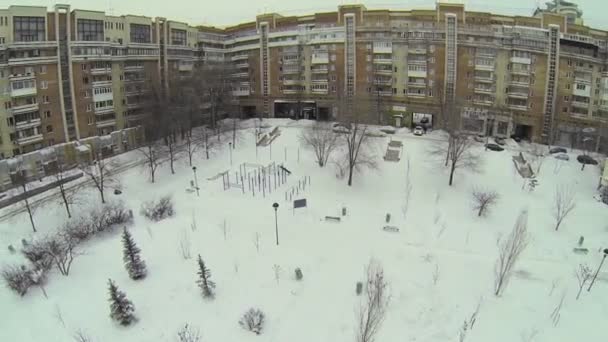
355	137
188	334
152	157
68	195
321	139
191	146
468	324
509	251
100	173
563	204
408	189
81	336
22	181
583	274
458	152
372	311
483	199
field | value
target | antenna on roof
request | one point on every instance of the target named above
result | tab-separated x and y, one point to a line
110	8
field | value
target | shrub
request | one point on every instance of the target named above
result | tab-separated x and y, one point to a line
37	253
253	320
98	220
17	278
156	211
299	274
188	334
58	250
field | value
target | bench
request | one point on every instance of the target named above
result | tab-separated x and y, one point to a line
391	229
332	218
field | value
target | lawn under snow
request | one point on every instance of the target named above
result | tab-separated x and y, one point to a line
332	256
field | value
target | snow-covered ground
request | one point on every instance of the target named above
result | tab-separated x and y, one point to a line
441	235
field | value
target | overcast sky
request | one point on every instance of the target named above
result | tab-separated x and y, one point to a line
227	12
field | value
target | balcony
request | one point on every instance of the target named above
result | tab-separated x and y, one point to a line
101	71
319	91
382	60
185	67
24	108
104	83
106	110
134	67
131	105
377	48
484	79
289	91
580	104
23	92
483	102
292	82
517	107
383	71
520	60
484	90
240	75
320	59
416	73
519	84
319	80
417	61
517	94
579	79
30	139
243	65
321	70
416	51
291	71
484	67
522	72
239	57
416	84
105	123
383	92
240	92
416	93
386	82
585	69
27	124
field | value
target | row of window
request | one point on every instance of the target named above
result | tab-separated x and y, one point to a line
102	90
109	25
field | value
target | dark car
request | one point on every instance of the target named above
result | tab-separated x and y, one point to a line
499	141
494	147
554	150
586	159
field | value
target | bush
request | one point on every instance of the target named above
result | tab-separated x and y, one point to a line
299	274
98	220
17	278
604	194
188	334
37	253
253	320
156	211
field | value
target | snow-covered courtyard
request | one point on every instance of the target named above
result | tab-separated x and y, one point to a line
439	266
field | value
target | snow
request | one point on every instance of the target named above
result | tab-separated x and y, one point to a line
441	229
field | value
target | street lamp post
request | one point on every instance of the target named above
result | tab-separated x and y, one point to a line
276	222
598	269
230	148
195	181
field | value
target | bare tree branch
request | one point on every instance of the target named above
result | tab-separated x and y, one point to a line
509	251
483	200
321	139
563	203
372	311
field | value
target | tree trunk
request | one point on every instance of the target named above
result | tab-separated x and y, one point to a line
29	212
452	169
350	175
65	200
480	211
103	199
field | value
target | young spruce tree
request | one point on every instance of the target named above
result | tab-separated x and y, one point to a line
204	282
133	263
121	309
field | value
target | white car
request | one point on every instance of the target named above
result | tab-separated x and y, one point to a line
418	131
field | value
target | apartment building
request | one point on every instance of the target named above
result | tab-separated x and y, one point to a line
70	74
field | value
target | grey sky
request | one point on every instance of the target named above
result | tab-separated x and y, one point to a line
227	12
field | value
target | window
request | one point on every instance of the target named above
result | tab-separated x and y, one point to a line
565	109
47	114
140	33
85	80
83	66
44	84
178	37
89	107
90	30
90	120
580	86
49	129
566	98
333	78
28	29
567	85
43	69
45	99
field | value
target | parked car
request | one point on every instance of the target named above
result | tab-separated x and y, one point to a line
554	150
517	138
418	131
499	141
561	156
494	147
586	159
479	138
